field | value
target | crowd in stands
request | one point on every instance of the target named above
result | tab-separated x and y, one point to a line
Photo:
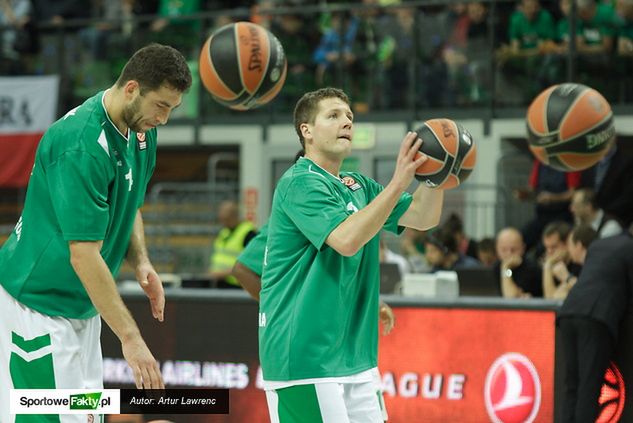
580	210
386	54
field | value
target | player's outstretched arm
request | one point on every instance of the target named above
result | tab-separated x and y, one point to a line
85	257
425	210
249	280
145	273
355	231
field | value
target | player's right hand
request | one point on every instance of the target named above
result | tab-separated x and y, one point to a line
406	163
143	364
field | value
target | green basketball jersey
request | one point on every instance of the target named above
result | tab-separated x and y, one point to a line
318	308
253	254
87	184
529	33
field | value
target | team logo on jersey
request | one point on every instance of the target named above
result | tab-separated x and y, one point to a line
351	183
612	396
512	391
142	144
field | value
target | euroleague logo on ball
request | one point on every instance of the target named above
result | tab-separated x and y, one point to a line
512	391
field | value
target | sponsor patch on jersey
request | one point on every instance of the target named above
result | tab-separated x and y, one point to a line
351	183
142	144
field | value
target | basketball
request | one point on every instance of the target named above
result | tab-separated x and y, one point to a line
570	127
452	154
243	65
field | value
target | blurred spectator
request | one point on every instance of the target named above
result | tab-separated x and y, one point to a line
486	252
624	49
179	33
555	238
396	55
468	58
296	34
585	209
115	17
611	180
526	61
551	190
518	276
18	40
388	256
55	12
336	47
412	247
465	245
228	245
442	253
560	271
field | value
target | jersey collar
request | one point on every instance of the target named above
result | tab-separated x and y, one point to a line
105	112
312	167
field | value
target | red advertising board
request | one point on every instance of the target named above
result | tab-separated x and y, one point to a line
463	365
438	364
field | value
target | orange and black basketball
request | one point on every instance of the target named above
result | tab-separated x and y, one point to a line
451	150
243	65
570	127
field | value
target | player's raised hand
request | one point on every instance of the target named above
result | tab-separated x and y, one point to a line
153	287
407	162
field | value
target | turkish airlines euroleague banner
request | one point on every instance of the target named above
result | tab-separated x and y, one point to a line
27	107
438	365
463	365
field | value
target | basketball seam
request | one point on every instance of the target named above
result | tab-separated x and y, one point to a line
208	52
239	63
438	139
544	111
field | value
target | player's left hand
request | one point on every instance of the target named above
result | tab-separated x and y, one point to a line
387	318
153	287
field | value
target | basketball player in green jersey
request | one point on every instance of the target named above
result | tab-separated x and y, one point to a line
318	335
80	220
248	270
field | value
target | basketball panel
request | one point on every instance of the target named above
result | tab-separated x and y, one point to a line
253	54
446	132
589	109
560	101
209	76
224	57
536	115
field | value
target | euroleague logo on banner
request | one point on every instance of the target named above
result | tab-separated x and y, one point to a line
513	390
612	396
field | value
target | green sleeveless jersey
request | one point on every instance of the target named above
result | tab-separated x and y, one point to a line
318	308
87	184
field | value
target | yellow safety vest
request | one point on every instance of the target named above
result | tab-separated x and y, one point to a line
227	247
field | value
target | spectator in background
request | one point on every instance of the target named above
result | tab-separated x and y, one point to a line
555	238
20	39
585	209
336	47
296	34
589	322
182	34
486	252
116	17
624	48
228	244
560	277
388	256
468	60
551	190
611	180
412	247
526	60
442	252
465	245
518	276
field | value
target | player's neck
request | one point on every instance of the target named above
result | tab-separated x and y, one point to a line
331	165
114	109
